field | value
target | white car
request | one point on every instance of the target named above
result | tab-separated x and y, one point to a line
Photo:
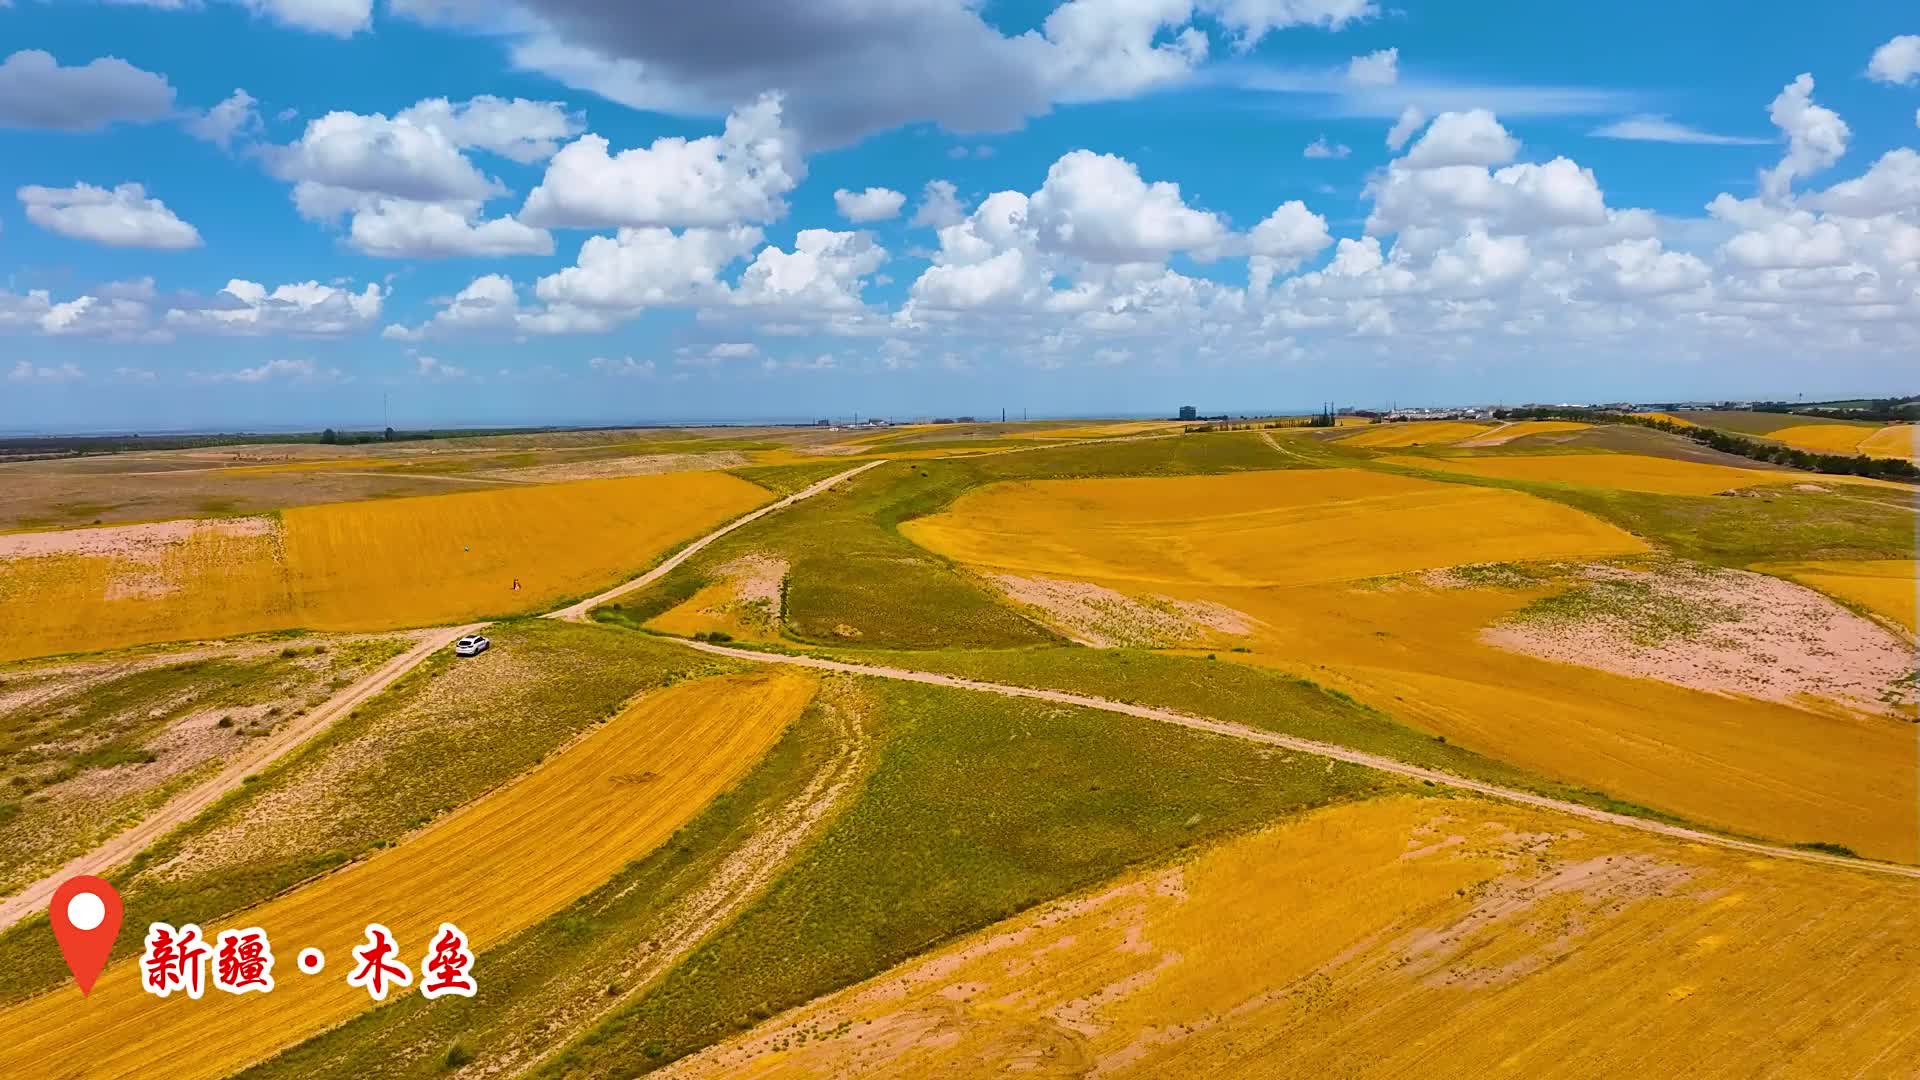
471	645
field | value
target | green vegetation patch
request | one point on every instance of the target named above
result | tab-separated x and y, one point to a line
979	806
447	733
787	479
1645	606
1240	693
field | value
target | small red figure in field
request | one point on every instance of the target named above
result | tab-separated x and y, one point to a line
243	961
376	970
450	962
174	960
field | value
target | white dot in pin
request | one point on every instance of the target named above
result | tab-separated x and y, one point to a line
85	911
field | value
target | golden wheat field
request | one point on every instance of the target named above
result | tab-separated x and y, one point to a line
1890	441
1256	529
1299	555
1419	433
1889	587
1625	472
1796	771
349	566
1896	441
1399	937
1521	429
492	868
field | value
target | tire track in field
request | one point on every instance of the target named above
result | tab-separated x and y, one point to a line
1375	762
740	878
577	612
188	804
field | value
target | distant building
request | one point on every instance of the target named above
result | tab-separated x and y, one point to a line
1188	412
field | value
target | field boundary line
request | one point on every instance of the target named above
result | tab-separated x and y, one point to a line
183	807
577	612
1319	749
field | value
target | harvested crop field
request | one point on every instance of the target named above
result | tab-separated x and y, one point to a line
348	566
1891	441
1621	472
1888	587
1255	529
1897	441
1398	937
497	866
1500	436
1416	433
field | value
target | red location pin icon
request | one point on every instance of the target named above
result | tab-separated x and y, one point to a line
86	918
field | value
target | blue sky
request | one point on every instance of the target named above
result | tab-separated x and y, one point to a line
556	211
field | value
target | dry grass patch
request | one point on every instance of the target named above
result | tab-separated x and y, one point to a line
1397	937
497	866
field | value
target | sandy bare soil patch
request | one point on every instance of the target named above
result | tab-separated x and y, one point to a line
1723	631
139	543
1106	618
638	465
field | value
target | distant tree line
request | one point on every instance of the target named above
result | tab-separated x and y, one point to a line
1890	409
1728	442
45	446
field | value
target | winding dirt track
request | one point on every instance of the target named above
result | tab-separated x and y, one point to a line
185	806
578	612
1319	749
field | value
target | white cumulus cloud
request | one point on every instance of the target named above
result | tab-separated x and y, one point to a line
1897	62
873	204
1380	68
739	175
121	217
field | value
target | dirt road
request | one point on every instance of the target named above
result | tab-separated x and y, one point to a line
184	806
1319	749
578	612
